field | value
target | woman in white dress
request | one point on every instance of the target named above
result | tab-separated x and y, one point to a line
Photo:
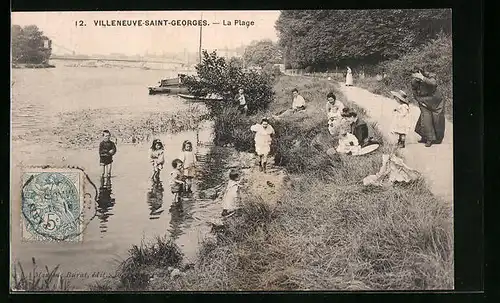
263	139
334	112
348	77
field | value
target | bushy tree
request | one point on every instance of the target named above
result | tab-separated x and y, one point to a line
351	37
261	53
28	45
216	76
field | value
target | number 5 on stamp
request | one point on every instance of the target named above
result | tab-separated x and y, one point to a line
52	205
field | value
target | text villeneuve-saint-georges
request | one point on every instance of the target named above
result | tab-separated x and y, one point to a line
164	22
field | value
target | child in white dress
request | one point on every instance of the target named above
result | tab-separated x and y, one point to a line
348	143
263	138
157	158
188	159
400	121
231	198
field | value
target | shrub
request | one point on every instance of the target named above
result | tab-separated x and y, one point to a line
216	76
231	127
272	71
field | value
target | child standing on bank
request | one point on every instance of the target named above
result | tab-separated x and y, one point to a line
242	106
189	161
400	122
107	149
176	182
156	155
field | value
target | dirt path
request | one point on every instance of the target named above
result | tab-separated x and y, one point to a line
435	162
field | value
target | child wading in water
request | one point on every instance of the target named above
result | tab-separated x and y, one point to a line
188	159
400	123
106	151
156	154
176	183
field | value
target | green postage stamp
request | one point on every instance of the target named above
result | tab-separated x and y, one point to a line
54	205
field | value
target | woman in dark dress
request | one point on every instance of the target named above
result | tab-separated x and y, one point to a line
431	123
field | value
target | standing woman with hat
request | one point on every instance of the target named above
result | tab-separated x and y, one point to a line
431	123
400	121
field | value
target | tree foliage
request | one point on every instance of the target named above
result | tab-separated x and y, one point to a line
351	37
261	53
216	76
28	45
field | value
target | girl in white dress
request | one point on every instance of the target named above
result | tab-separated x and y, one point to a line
188	158
348	143
263	139
157	158
400	121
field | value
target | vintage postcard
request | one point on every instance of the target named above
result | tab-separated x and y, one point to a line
232	150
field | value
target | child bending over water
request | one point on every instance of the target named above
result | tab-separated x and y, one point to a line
231	198
176	183
188	159
156	155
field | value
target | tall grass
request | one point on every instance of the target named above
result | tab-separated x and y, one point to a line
135	272
38	280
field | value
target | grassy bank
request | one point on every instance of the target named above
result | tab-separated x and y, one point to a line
328	231
435	57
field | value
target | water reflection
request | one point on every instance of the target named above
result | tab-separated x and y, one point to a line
155	200
181	215
105	204
176	218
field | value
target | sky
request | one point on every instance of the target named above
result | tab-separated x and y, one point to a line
131	40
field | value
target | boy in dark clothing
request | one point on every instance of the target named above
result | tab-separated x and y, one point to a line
106	151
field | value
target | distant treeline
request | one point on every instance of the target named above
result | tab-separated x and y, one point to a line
320	39
29	45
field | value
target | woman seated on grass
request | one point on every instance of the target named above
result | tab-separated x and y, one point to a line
334	107
298	101
358	127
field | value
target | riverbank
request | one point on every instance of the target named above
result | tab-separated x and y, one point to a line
323	230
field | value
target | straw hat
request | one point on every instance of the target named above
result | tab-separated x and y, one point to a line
401	95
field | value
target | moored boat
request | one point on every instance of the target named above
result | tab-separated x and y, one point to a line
169	86
212	97
172	90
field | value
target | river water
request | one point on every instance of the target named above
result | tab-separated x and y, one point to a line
134	210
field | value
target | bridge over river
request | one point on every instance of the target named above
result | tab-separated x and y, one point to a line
152	63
